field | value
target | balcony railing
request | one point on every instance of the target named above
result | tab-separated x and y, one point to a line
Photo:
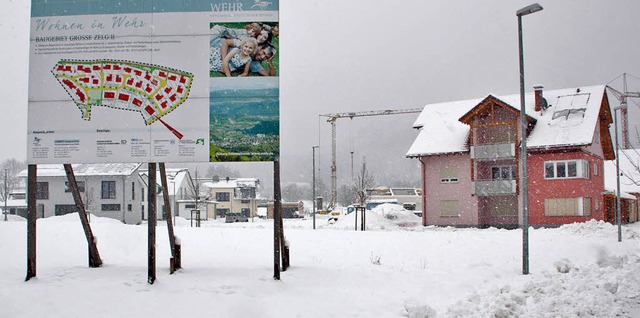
493	151
493	187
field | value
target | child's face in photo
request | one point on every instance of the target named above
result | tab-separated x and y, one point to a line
247	48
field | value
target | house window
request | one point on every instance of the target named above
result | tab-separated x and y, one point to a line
567	206
449	208
189	206
222	196
111	207
448	175
222	212
503	173
67	186
129	207
42	190
245	212
62	209
595	169
567	169
133	190
142	193
108	190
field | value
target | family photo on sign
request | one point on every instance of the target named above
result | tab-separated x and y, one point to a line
239	49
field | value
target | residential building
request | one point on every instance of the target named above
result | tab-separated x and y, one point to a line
182	194
16	204
107	190
233	196
471	166
290	210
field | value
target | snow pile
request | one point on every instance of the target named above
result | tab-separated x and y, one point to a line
608	288
383	217
598	228
13	218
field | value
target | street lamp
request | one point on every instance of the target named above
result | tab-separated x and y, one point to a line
523	141
313	212
623	106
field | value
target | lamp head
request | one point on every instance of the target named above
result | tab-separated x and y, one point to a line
529	9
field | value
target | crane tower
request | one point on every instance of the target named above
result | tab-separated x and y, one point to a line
331	118
622	97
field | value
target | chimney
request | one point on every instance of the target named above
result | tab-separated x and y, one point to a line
537	89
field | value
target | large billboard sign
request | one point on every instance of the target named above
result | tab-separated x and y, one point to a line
153	81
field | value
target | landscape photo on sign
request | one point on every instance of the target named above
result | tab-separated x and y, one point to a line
151	90
244	97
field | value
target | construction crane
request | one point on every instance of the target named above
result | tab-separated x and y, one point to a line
331	118
622	97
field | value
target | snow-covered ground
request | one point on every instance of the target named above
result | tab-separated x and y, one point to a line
396	268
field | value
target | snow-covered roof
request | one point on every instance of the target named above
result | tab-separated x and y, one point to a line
175	177
629	170
85	169
13	203
232	183
570	120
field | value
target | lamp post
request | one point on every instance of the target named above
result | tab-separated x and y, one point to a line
6	195
523	141
623	106
313	212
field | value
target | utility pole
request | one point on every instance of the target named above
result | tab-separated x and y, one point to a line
6	195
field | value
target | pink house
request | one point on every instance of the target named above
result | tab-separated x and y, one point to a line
470	158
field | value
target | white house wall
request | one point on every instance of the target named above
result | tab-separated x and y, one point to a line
92	197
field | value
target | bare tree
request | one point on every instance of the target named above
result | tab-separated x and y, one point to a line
633	175
12	167
198	196
362	181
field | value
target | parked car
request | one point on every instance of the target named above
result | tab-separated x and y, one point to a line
235	217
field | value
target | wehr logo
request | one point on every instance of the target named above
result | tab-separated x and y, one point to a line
36	141
262	5
226	6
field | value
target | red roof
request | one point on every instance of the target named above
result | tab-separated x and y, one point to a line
81	95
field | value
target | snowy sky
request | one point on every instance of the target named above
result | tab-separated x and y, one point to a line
340	56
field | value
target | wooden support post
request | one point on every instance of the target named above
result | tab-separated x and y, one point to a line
283	244
276	220
151	202
94	255
356	218
31	220
168	217
364	219
285	257
177	261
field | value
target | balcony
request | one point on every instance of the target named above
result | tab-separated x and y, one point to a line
493	187
493	151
